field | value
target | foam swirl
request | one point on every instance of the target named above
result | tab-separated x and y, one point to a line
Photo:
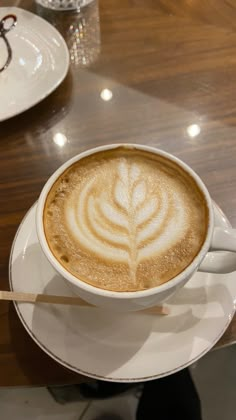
126	221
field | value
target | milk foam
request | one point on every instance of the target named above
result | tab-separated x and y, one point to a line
148	228
126	214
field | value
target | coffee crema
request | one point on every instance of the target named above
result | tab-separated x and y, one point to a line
125	219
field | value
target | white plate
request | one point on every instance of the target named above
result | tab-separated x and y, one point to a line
119	347
40	61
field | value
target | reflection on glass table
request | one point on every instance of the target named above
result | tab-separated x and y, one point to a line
81	30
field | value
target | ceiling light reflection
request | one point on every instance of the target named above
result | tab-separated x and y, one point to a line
193	130
106	94
60	139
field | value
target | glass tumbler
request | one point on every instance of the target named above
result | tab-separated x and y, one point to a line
63	4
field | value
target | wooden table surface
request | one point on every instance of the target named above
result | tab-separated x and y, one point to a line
171	67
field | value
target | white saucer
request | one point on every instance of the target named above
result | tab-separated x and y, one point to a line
119	347
40	61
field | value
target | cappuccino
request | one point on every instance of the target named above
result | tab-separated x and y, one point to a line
125	219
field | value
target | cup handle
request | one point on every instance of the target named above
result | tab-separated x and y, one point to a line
221	262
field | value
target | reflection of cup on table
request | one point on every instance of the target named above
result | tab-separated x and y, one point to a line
127	225
80	28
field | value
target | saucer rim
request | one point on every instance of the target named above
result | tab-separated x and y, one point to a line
101	377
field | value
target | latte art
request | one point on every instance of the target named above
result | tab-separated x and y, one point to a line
125	220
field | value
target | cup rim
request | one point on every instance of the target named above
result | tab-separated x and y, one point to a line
172	283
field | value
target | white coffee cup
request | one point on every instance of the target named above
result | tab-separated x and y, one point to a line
216	239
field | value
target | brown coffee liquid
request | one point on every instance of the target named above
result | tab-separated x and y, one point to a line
125	220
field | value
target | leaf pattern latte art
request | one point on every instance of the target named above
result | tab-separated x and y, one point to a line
125	221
